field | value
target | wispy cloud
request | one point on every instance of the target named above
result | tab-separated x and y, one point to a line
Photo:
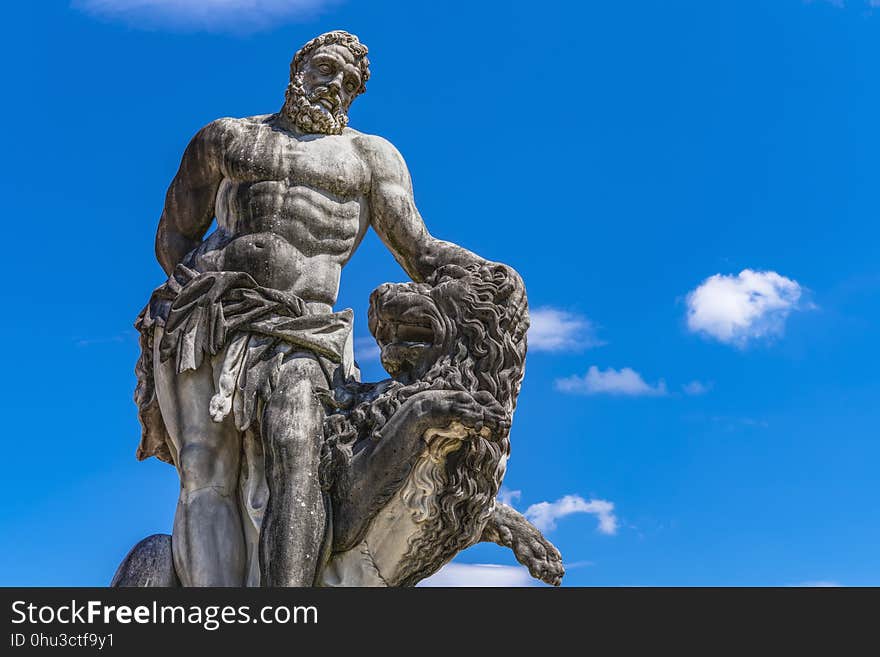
737	309
553	329
844	3
90	342
509	497
366	349
625	382
820	584
124	336
204	15
732	423
545	514
696	388
483	574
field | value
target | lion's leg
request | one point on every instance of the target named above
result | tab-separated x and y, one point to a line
509	528
207	540
381	467
295	520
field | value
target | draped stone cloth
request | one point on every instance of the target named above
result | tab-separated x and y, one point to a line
247	331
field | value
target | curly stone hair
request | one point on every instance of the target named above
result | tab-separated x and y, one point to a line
490	321
336	37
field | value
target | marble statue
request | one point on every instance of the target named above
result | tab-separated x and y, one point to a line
292	471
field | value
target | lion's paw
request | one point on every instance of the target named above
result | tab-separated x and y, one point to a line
542	559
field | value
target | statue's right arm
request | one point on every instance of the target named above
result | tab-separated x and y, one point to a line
189	202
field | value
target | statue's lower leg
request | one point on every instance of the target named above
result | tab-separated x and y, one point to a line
295	520
293	527
207	542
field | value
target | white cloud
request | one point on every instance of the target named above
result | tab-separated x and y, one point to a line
611	382
748	306
483	574
208	15
821	584
366	349
732	423
696	388
507	496
553	329
545	514
842	4
123	336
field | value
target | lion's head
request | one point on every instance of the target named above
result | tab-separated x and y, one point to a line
466	329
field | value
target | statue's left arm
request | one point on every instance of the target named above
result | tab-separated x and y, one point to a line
396	220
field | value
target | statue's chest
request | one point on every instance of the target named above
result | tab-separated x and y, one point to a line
327	164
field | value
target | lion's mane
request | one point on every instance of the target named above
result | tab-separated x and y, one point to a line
453	487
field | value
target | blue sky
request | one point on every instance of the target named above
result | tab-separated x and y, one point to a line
689	189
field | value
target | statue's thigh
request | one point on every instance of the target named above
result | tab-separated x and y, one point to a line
301	368
184	400
293	415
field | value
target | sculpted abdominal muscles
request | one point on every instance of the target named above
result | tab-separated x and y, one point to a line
288	237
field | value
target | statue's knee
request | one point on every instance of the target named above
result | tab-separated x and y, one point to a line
294	448
201	466
293	403
301	372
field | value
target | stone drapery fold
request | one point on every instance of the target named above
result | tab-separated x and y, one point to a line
246	329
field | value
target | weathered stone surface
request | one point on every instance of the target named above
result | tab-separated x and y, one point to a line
149	563
293	472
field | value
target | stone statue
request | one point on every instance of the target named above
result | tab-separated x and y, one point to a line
292	471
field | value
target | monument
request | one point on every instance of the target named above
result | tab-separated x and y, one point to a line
292	471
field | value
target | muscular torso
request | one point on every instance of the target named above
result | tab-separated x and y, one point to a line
290	211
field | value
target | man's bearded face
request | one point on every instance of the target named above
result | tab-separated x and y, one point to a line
319	95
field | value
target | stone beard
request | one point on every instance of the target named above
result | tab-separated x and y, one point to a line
307	114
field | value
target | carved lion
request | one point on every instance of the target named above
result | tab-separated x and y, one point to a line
414	463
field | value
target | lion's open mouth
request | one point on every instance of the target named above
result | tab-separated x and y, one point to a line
405	333
407	352
406	327
405	319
